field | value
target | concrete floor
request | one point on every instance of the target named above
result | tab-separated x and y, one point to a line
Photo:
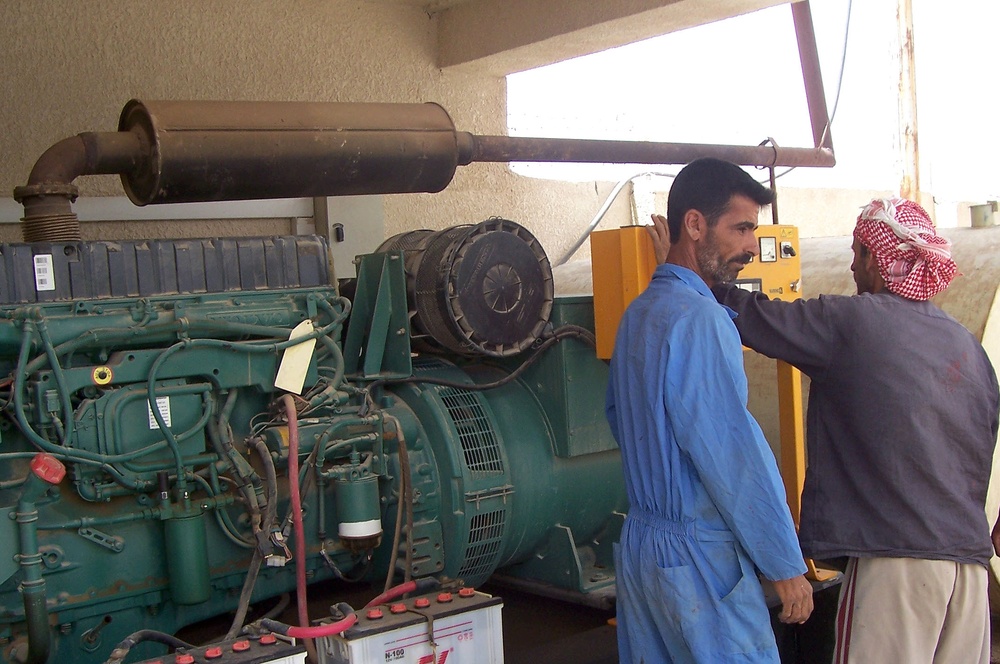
538	630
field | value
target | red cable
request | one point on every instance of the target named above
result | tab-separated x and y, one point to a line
322	630
299	531
393	593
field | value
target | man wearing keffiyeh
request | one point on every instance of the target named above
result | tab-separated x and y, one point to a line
901	425
913	260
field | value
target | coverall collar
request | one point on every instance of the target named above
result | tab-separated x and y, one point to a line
689	278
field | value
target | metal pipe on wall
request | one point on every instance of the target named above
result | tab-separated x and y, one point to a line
190	151
512	148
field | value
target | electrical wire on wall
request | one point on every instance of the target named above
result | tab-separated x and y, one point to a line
604	209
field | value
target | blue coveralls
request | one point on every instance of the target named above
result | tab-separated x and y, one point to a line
706	501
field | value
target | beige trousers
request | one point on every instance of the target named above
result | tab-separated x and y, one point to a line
910	611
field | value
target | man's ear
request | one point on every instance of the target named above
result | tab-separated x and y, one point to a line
874	276
870	263
693	224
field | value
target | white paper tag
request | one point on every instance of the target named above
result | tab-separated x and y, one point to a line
162	405
45	278
295	360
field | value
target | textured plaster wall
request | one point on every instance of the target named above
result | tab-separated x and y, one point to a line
71	66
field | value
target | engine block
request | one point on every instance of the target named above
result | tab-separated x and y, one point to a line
147	373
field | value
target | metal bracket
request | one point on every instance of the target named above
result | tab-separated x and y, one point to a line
110	542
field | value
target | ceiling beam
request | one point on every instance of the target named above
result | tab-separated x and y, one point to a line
506	36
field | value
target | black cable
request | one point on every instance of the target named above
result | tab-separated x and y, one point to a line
271	476
356	574
121	650
279	608
560	333
244	603
398	527
270	517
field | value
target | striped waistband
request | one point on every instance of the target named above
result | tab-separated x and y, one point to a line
688	528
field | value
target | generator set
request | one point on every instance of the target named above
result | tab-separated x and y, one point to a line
192	427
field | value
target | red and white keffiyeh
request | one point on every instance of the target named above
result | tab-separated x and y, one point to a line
912	258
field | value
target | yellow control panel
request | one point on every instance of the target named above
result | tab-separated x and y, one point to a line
777	269
622	261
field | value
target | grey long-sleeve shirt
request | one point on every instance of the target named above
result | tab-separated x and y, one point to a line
901	424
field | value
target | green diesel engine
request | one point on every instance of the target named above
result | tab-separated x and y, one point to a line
445	421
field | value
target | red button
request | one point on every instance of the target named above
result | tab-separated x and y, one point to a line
268	640
374	614
240	646
213	653
398	608
466	592
444	597
184	659
422	603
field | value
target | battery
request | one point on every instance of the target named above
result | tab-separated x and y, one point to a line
264	649
438	628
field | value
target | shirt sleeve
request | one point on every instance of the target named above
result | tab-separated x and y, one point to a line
801	333
706	394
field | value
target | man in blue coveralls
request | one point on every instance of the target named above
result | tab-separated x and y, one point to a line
706	504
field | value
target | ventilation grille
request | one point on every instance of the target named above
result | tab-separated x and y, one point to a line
425	363
479	442
485	534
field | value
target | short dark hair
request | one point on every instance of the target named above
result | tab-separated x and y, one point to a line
707	185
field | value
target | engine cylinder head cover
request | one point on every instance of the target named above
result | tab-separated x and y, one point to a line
482	289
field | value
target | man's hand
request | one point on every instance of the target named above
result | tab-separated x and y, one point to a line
660	235
796	599
996	537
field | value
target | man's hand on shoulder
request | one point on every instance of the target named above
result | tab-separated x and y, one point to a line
660	234
796	596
